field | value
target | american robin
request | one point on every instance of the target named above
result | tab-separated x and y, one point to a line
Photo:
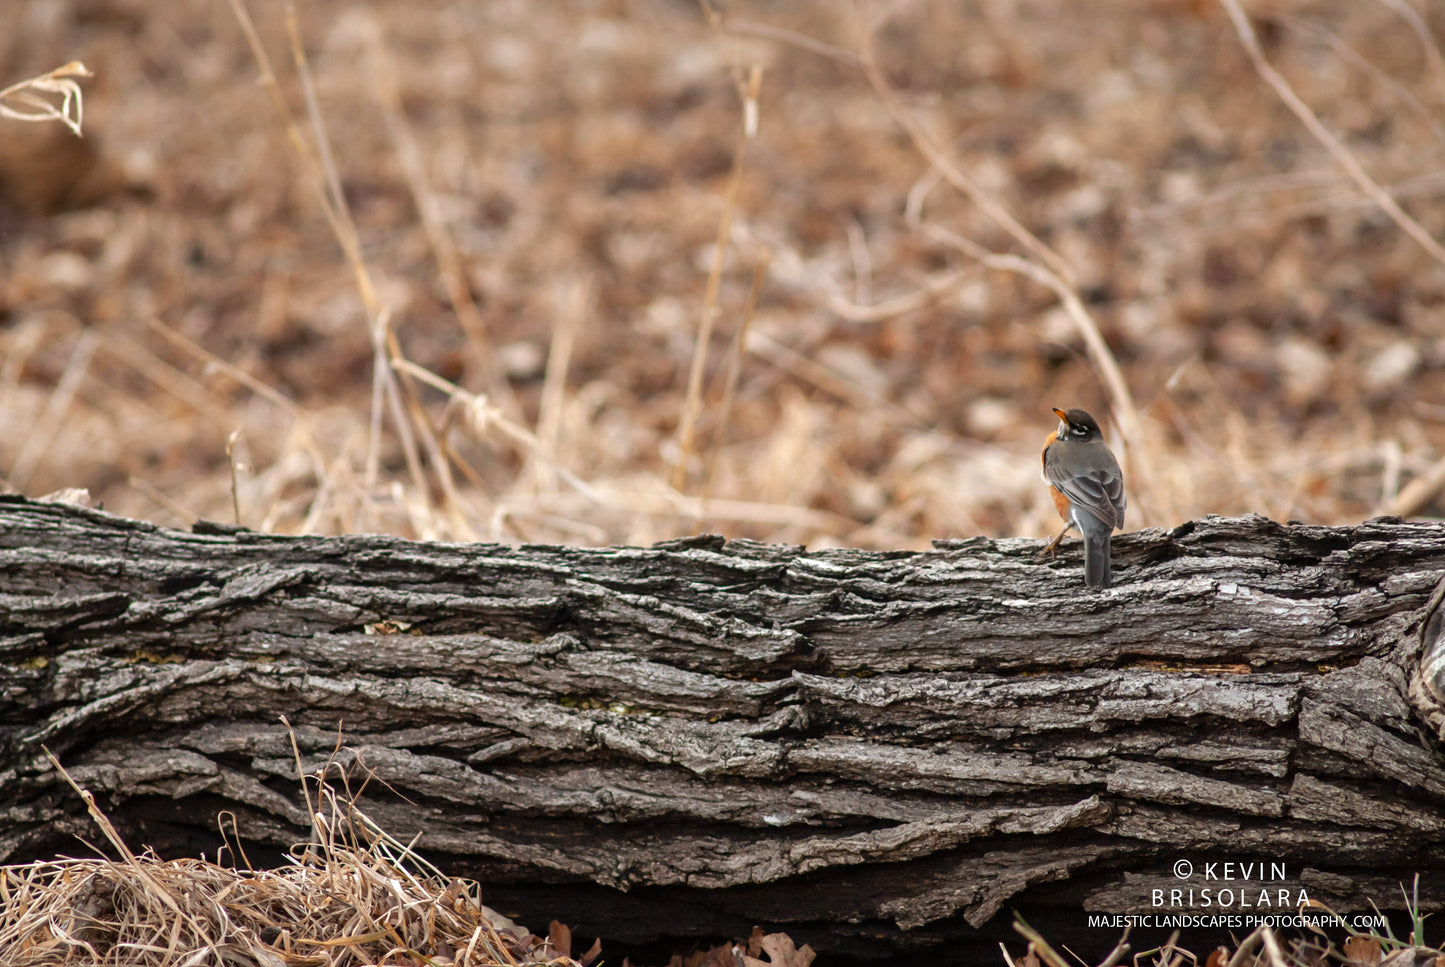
1088	490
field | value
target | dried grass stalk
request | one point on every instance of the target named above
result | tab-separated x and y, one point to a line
28	100
354	896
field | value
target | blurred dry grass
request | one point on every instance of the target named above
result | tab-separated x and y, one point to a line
536	190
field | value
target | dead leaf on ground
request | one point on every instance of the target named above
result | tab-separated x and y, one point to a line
1363	950
560	937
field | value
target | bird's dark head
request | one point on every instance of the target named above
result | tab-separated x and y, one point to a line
1077	425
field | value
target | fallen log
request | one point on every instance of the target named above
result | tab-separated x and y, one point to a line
871	751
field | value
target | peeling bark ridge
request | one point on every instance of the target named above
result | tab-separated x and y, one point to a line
702	735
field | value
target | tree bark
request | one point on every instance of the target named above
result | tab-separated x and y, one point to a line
872	751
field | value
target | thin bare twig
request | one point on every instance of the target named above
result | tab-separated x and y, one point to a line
38	440
1325	137
235	487
444	250
1046	266
1120	951
1413	497
752	28
484	414
937	156
211	360
931	292
734	367
1353	57
1427	40
1038	945
1098	349
1247	947
692	406
543	459
398	396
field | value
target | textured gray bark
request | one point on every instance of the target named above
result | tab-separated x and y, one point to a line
842	744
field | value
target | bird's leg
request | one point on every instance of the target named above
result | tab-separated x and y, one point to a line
1051	549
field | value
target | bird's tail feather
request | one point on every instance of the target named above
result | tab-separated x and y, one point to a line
1098	566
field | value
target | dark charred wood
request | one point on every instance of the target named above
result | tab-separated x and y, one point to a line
686	738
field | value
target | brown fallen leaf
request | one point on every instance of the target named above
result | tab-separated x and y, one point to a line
1365	951
755	942
782	953
560	937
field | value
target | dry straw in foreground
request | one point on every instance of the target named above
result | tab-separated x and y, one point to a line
354	896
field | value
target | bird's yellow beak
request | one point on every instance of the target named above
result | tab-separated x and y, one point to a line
1061	415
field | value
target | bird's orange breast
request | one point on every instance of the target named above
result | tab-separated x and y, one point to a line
1061	503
